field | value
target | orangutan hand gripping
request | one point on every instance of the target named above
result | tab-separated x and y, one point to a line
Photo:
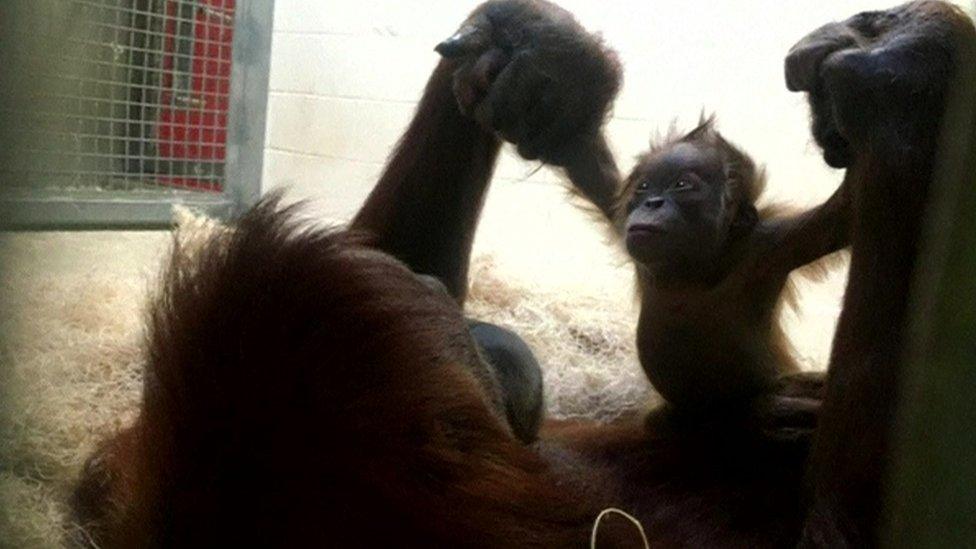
878	85
304	386
710	269
532	75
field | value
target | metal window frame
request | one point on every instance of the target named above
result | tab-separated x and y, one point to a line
54	209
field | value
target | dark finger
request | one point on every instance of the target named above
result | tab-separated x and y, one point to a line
468	40
801	384
797	412
802	66
473	80
487	67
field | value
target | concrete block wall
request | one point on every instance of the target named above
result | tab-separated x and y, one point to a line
345	80
346	74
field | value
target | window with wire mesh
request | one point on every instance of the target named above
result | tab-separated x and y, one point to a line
115	94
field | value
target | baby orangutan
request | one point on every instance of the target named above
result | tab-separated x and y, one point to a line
305	387
711	270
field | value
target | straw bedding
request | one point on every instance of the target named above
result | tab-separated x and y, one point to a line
70	364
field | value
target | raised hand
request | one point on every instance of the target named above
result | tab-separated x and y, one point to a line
880	78
530	73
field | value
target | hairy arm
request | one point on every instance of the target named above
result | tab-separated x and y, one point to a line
878	108
804	238
424	210
536	78
593	173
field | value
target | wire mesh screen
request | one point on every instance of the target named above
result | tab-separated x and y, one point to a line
117	94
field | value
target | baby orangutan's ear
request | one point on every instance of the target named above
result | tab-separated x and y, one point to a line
746	218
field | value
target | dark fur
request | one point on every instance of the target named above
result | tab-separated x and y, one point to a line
302	389
709	335
746	181
305	389
886	130
536	77
508	51
413	213
519	376
533	76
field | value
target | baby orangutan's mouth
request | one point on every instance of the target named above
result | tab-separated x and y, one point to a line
644	230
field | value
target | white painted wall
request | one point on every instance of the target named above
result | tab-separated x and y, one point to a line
345	76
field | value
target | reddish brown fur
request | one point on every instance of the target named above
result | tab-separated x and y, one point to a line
890	178
746	181
304	389
425	207
716	340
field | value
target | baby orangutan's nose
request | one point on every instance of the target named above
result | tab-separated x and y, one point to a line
654	203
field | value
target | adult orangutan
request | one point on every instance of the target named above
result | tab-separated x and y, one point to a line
307	387
710	268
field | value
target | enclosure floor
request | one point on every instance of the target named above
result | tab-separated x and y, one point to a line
71	366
